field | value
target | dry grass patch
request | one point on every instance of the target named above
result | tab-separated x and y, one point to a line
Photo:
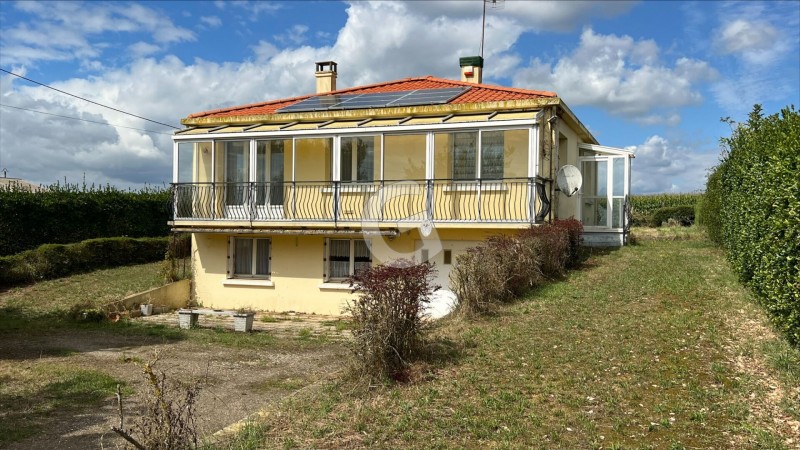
635	351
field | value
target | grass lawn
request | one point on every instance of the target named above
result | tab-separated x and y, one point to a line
40	380
655	345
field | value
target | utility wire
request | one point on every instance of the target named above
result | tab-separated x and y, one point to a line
87	100
85	120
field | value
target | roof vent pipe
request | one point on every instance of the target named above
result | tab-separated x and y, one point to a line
326	76
471	69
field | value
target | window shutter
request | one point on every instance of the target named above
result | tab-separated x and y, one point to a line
325	260
228	265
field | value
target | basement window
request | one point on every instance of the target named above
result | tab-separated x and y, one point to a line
346	257
250	258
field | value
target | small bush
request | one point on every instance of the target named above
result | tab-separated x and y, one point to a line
388	325
57	260
168	418
682	215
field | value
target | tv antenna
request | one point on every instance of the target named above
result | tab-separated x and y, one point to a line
569	180
495	4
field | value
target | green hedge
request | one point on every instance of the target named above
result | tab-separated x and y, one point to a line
683	215
758	187
644	206
67	214
58	260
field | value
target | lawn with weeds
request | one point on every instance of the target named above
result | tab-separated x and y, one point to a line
641	348
28	395
55	369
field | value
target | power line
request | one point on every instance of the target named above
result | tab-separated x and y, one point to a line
85	120
87	100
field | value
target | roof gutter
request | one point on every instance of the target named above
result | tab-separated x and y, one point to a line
374	113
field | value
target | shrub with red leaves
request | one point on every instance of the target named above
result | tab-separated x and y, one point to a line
388	325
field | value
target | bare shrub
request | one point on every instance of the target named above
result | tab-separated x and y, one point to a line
497	271
388	322
553	245
168	418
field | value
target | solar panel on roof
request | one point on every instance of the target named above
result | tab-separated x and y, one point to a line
375	100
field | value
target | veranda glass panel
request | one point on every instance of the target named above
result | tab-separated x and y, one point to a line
404	157
313	159
594	207
237	171
339	258
465	149
515	153
357	159
492	155
186	164
270	172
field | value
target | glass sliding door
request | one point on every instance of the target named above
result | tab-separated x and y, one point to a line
602	201
269	178
236	155
594	193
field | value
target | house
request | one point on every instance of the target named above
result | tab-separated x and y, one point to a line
286	199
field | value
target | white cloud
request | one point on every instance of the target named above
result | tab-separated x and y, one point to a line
295	35
211	21
622	76
664	166
739	36
141	49
60	31
538	16
762	38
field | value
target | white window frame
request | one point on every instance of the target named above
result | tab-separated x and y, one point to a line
254	256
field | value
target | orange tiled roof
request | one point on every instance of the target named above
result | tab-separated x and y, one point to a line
477	94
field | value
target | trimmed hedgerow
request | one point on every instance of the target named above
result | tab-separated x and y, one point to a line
682	215
67	214
644	206
58	260
759	210
505	267
387	315
710	209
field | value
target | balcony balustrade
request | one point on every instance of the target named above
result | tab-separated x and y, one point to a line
517	200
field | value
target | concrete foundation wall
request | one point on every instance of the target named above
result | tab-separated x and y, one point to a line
173	296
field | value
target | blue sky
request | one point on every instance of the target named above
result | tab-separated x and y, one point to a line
655	77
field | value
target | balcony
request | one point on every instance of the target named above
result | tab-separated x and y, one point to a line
504	201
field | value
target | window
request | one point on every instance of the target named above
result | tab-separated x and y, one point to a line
357	159
458	156
464	155
492	155
250	258
347	257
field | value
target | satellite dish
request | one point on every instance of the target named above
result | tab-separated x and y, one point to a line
569	180
426	228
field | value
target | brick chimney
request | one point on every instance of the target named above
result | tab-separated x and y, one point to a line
471	69
326	76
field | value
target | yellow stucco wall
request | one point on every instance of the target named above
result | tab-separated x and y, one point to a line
567	207
297	270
